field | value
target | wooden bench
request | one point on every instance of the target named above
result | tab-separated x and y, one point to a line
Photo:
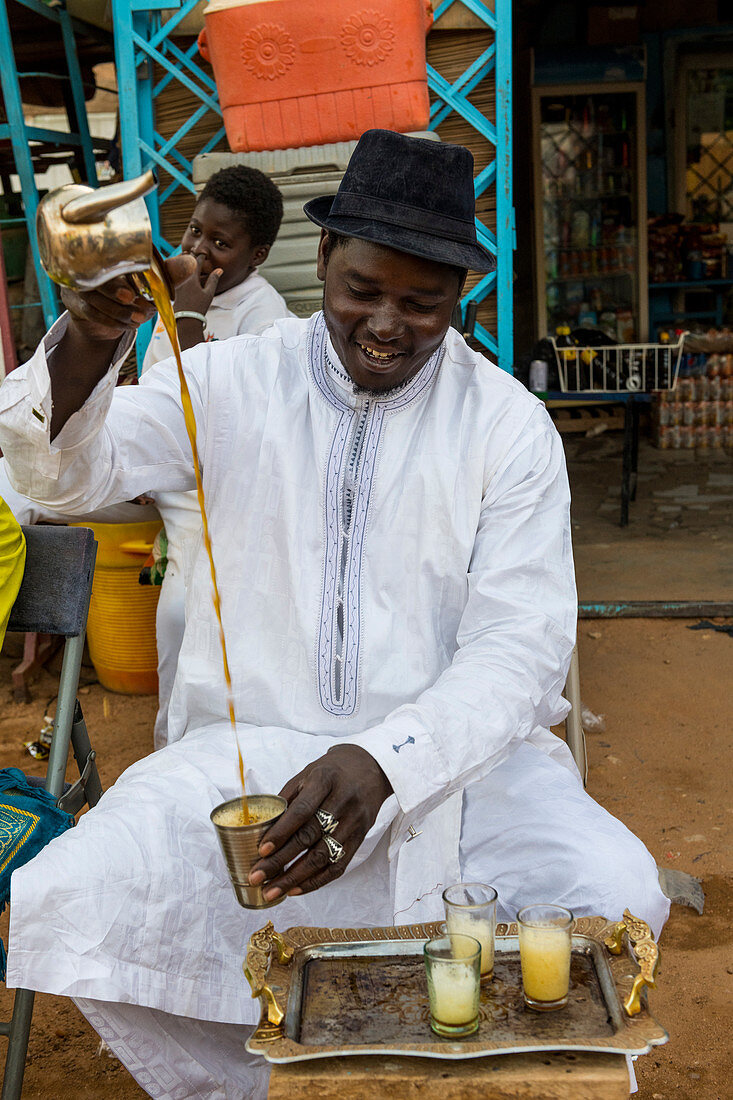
552	1076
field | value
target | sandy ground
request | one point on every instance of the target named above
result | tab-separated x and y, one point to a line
679	541
660	766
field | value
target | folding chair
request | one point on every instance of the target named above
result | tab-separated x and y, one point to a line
54	599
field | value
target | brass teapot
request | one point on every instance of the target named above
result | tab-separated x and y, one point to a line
87	236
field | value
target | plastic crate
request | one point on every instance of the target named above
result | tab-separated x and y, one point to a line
618	368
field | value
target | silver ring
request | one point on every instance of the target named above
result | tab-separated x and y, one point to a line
327	821
335	850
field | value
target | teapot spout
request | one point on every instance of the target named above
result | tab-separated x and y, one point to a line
95	205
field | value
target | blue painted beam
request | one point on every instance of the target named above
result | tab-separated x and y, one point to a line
441	87
77	97
122	21
23	161
36	133
505	233
465	84
185	60
156	55
476	6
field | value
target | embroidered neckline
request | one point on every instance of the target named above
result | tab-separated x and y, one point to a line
395	399
339	373
344	377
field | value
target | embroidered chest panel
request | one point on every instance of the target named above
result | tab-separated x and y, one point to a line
348	493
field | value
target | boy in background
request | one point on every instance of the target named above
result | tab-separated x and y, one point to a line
232	228
231	231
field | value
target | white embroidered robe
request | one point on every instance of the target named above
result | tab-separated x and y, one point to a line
395	572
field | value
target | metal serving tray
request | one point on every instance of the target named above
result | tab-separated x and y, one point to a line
327	992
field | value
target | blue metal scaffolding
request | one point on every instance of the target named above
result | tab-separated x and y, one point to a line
495	60
144	40
20	134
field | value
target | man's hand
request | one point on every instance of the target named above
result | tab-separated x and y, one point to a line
107	313
97	320
349	784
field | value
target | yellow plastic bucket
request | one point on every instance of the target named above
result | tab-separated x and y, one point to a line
121	624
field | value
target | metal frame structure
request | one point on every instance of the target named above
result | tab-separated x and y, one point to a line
496	59
143	36
20	134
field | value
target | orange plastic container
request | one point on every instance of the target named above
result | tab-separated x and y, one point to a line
292	73
121	623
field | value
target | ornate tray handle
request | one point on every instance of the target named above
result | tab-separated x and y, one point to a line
256	967
645	951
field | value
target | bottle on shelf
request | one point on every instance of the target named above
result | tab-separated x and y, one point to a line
538	377
587	317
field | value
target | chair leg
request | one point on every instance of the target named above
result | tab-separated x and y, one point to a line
88	788
82	747
573	724
20	1027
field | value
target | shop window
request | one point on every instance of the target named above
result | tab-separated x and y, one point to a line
704	173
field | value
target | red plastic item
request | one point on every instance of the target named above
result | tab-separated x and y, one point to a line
9	360
292	73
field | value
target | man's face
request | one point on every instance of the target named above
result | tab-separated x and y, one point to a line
386	311
219	238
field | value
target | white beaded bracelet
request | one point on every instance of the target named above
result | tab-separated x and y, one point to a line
190	313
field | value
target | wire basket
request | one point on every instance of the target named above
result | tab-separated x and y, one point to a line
618	368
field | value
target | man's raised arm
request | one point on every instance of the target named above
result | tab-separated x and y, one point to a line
73	441
97	321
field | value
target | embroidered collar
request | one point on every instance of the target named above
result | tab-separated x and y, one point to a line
341	374
332	380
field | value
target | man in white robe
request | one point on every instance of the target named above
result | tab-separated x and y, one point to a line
390	520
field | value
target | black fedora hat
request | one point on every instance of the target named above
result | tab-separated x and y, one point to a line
410	194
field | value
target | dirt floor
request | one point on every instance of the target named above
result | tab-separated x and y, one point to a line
661	766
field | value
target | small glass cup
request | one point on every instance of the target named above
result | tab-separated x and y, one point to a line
545	933
453	968
470	910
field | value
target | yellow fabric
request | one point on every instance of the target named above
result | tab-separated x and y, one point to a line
12	563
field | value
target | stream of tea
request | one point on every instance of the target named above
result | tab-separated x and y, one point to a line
164	306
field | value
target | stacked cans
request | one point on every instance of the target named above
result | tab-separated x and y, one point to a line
698	414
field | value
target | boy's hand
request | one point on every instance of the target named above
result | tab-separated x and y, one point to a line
190	294
107	313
